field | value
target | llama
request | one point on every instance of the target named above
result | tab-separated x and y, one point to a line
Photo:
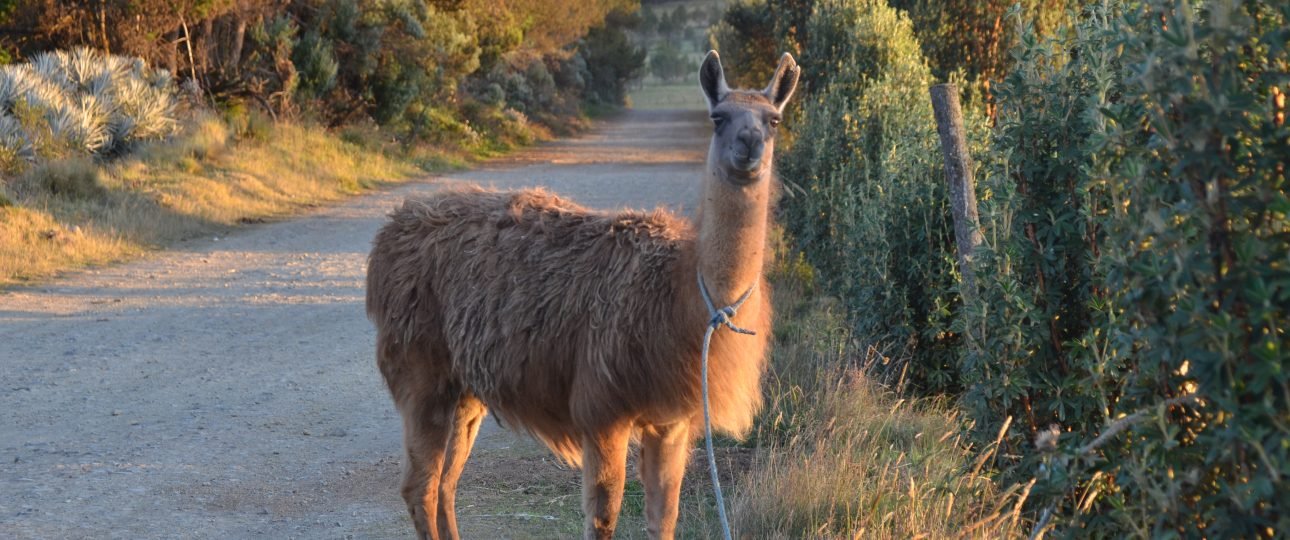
582	328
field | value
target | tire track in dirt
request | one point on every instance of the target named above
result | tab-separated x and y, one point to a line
225	388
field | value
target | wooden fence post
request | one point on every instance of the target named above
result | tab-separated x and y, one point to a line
958	172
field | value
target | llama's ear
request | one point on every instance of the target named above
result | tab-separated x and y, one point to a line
783	82
713	80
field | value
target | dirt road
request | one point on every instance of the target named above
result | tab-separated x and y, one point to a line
226	388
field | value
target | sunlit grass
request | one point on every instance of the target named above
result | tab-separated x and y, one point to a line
200	182
34	244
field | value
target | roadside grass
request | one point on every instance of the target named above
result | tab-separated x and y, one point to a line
837	455
75	212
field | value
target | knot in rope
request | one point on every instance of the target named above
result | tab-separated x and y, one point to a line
721	317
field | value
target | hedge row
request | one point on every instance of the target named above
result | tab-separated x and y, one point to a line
1129	328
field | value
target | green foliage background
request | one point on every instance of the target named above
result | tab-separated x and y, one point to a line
1129	327
865	195
466	71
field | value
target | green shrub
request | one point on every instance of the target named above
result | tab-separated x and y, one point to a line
974	36
611	61
269	70
865	193
441	126
528	89
316	63
1134	283
1136	290
749	43
390	61
1037	267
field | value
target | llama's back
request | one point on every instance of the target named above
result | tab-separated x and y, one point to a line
526	300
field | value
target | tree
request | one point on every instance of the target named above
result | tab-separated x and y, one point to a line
669	64
611	60
649	21
975	35
547	26
680	17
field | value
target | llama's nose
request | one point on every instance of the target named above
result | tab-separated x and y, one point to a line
748	148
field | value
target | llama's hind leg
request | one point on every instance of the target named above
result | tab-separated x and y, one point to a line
664	452
470	414
604	468
427	424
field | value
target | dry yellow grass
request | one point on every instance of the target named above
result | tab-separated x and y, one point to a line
838	456
198	183
33	244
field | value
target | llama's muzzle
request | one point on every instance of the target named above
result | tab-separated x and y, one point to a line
747	152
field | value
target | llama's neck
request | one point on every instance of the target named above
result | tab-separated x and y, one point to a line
732	234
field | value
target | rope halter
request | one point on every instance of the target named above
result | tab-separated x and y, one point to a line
720	317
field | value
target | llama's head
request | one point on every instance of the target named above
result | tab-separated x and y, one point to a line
744	121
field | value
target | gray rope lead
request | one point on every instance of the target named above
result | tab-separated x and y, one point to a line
720	317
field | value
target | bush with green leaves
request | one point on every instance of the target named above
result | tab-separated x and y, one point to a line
269	72
81	102
748	40
1040	203
315	60
865	193
1136	277
974	36
528	89
394	62
612	60
669	64
1129	326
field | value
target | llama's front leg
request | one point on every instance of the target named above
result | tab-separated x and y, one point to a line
664	452
604	468
470	414
426	427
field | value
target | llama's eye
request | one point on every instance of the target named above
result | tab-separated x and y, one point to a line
774	122
717	120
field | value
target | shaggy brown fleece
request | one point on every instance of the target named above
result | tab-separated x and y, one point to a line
562	320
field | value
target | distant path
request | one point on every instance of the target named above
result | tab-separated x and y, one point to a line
226	388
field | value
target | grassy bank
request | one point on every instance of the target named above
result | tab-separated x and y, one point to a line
72	213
